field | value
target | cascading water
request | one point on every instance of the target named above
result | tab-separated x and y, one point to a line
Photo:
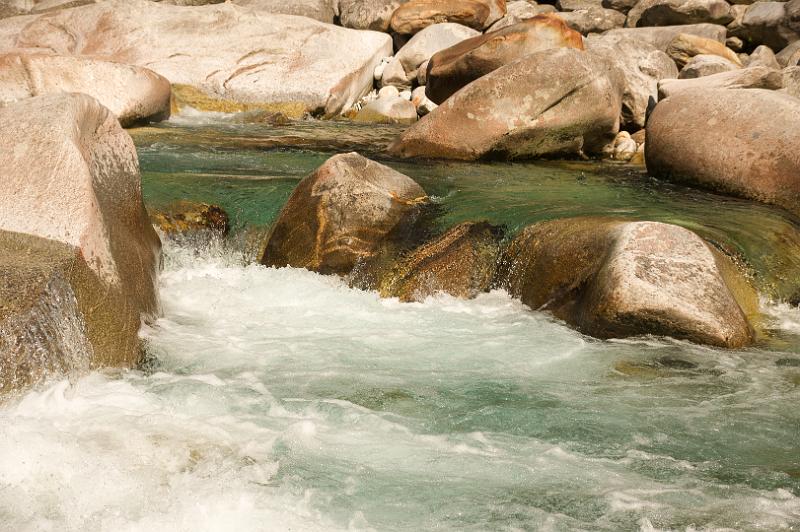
284	400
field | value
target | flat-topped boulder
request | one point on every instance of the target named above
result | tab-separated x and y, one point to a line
461	263
734	141
614	278
555	102
452	68
416	15
346	212
266	61
73	177
133	94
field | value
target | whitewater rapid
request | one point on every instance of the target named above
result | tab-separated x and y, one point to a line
284	400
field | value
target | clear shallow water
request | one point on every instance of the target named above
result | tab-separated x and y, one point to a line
283	400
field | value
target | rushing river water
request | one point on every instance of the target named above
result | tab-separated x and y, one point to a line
284	400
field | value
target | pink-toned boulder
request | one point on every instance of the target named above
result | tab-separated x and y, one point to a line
418	14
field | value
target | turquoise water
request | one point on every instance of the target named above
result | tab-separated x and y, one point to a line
284	400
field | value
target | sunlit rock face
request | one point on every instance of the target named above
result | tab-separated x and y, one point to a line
72	178
226	57
133	94
612	279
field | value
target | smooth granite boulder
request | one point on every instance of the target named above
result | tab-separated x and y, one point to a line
416	15
614	278
452	68
346	212
72	177
220	57
734	141
556	102
133	94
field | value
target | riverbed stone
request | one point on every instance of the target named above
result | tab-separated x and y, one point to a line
741	142
555	102
416	15
789	56
73	177
676	12
270	62
791	81
347	211
765	23
368	14
661	37
593	20
452	68
462	263
641	66
685	46
519	11
402	70
615	278
388	109
757	77
764	56
133	94
706	65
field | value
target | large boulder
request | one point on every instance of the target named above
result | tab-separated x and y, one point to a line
368	14
266	61
555	102
133	94
735	141
388	108
757	77
613	278
345	213
451	69
660	37
642	66
462	263
675	12
402	70
419	14
72	177
321	10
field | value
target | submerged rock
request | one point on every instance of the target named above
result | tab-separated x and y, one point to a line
185	216
461	263
349	210
73	177
419	14
133	94
452	68
271	62
735	141
613	278
554	102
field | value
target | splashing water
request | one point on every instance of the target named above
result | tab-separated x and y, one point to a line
283	400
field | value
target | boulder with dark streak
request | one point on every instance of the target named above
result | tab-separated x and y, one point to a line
462	263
